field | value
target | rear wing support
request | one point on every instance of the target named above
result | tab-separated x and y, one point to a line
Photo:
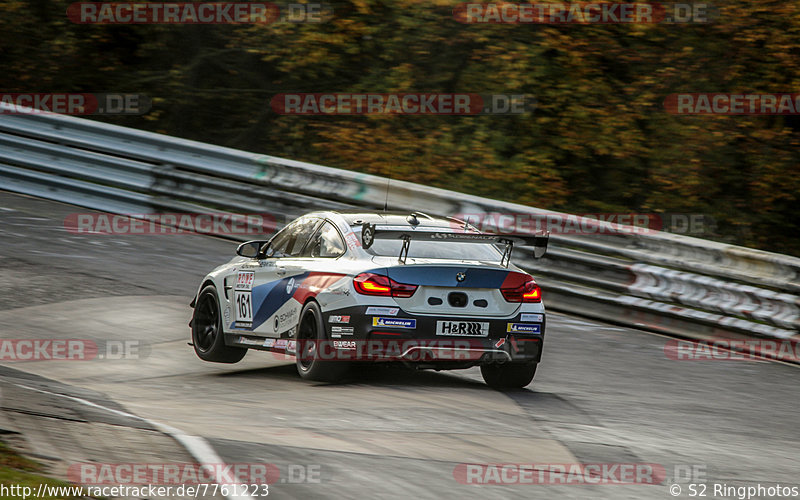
507	254
404	250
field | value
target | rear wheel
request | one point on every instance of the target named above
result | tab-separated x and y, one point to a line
311	347
509	375
207	336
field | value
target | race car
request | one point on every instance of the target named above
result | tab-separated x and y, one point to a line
332	289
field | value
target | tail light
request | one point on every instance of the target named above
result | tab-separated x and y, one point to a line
528	292
382	286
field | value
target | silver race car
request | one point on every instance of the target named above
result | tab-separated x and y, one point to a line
332	289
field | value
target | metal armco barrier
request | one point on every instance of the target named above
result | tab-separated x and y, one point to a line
669	283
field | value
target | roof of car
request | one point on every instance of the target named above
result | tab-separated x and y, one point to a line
395	219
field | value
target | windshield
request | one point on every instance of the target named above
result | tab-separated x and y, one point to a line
437	250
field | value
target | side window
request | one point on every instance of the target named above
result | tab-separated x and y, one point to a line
326	243
278	244
289	242
305	229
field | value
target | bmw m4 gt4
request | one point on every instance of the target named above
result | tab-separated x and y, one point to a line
332	289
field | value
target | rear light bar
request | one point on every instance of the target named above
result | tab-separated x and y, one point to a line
382	286
528	292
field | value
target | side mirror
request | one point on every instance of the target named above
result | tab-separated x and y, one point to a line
250	249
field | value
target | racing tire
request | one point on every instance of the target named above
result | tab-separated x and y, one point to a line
509	375
207	335
310	336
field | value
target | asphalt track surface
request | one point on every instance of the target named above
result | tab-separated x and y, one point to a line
603	394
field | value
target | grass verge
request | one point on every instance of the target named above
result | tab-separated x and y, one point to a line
19	477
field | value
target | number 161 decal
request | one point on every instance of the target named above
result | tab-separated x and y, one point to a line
243	297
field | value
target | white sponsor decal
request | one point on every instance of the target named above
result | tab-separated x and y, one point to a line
243	299
243	309
269	342
244	280
383	311
339	319
536	318
462	328
338	331
351	240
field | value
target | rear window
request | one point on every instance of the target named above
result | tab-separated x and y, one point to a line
437	250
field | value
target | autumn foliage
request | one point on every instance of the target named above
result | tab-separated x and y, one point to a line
600	139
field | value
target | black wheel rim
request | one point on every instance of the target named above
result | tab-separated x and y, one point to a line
206	323
307	341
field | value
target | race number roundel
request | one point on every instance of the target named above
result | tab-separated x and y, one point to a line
367	235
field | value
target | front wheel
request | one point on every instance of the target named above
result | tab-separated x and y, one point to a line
312	347
207	336
509	375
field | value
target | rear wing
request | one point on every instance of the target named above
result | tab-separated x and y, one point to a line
369	233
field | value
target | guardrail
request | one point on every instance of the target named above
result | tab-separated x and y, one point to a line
670	283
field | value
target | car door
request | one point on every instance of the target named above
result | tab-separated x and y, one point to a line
316	265
275	310
327	281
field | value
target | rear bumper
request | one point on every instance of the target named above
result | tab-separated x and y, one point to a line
413	338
